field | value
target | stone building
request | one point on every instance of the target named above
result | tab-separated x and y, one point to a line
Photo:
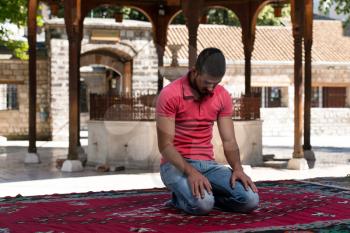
107	45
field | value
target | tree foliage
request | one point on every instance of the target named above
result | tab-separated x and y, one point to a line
213	15
222	16
340	7
15	12
267	17
110	11
227	17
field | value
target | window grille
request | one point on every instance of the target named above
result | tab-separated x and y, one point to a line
8	97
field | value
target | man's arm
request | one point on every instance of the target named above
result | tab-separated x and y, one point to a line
165	134
231	151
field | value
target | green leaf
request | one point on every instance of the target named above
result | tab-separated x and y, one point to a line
15	12
341	7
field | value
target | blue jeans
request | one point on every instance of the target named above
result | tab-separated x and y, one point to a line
223	196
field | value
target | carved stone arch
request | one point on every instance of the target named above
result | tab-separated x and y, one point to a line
122	49
102	58
114	59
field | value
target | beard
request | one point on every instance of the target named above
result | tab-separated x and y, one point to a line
201	93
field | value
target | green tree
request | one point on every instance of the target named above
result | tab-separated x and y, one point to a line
340	7
110	11
222	16
227	17
267	17
14	12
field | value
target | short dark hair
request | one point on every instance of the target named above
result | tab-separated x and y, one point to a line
211	61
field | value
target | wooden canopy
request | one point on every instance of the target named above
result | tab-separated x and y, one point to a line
160	13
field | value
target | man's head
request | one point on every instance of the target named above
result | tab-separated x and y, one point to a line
209	70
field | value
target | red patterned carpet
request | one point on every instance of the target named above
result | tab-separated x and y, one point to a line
285	206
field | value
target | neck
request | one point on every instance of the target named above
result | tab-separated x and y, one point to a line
194	88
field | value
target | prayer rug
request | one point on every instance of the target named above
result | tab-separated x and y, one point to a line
341	182
285	206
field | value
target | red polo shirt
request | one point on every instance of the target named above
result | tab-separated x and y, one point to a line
194	119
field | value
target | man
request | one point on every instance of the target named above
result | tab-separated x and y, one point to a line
186	111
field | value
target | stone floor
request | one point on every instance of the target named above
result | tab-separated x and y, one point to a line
44	178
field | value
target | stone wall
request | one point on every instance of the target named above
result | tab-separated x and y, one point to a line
145	62
117	143
281	74
136	41
279	122
59	88
52	94
14	123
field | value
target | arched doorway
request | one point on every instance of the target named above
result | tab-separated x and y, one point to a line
118	61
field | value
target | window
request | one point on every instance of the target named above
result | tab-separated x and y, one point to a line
334	97
8	97
274	97
315	97
270	96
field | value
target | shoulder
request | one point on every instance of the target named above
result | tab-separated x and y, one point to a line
222	92
169	98
225	100
172	90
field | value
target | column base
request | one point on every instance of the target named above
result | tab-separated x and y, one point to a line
32	158
310	157
297	164
72	166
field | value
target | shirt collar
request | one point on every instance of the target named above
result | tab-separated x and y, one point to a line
186	88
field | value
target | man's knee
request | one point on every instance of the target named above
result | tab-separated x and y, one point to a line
199	206
246	202
251	202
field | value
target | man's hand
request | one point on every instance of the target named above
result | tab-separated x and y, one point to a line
246	181
198	183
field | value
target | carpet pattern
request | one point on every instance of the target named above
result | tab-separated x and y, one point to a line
286	206
341	182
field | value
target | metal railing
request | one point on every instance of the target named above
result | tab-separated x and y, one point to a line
122	108
246	108
142	108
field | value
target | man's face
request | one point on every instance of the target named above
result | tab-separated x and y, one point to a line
205	83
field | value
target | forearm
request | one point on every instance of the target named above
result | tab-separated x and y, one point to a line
170	153
232	155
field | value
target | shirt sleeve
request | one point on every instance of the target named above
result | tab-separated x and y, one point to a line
166	104
226	104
